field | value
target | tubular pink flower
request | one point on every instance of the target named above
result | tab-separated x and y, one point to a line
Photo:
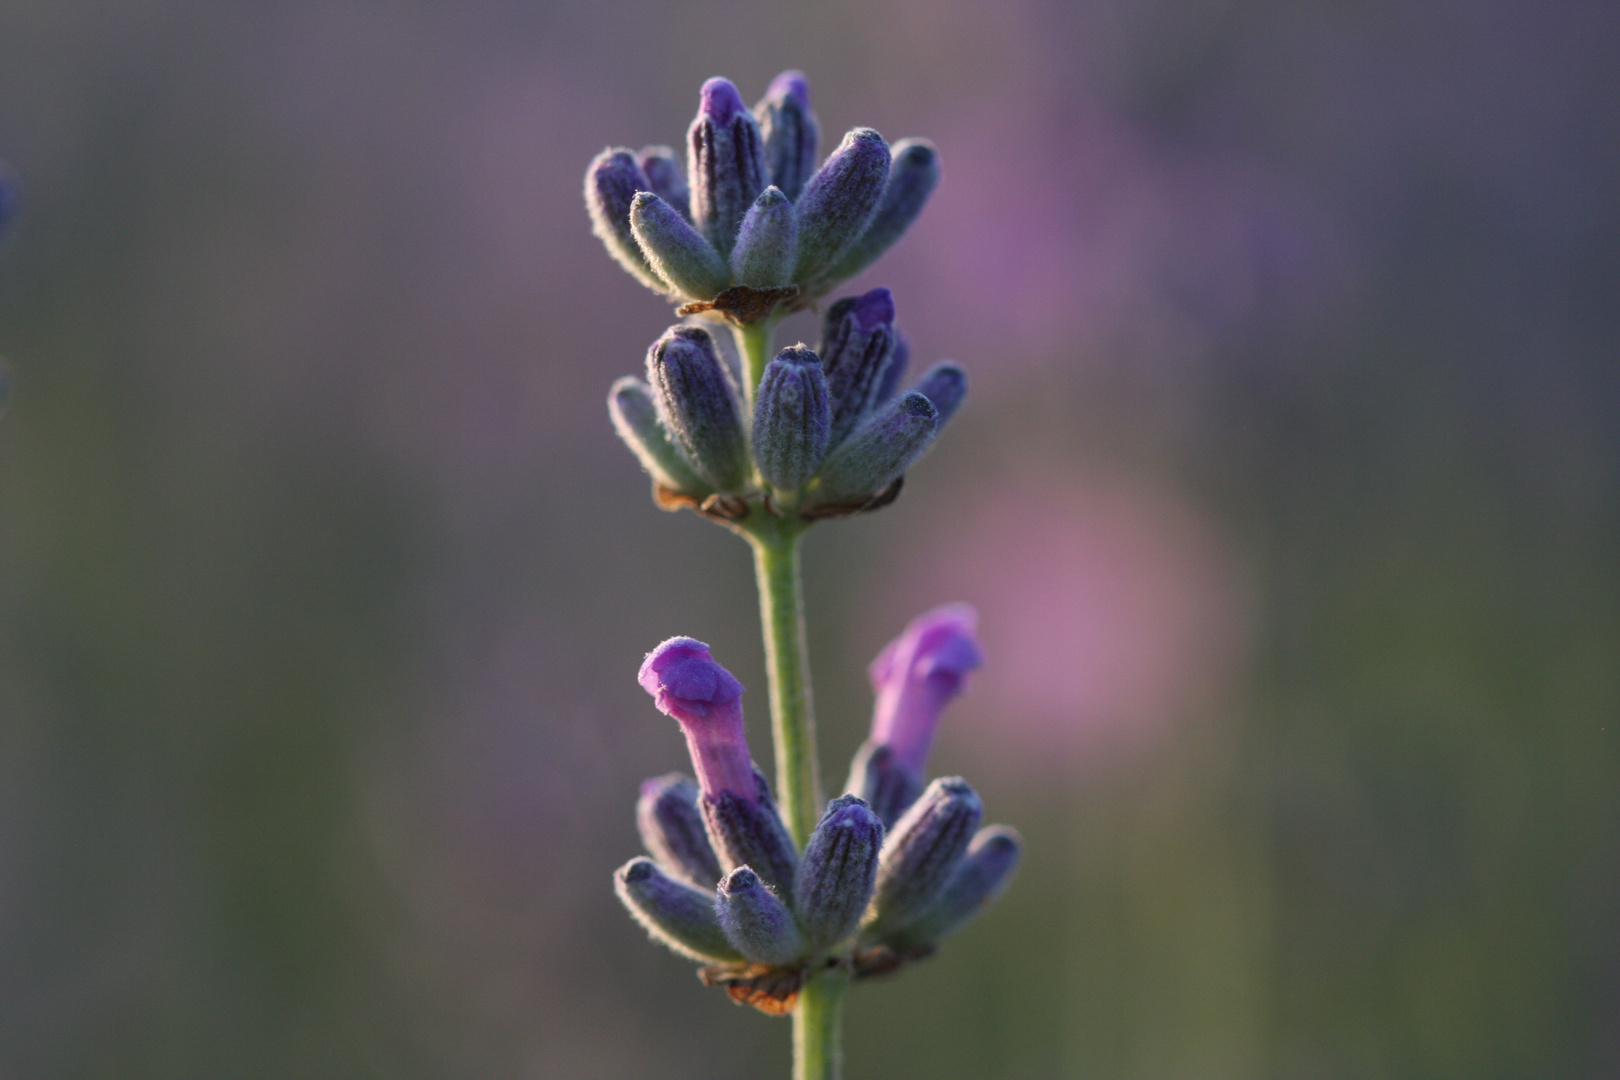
917	675
706	700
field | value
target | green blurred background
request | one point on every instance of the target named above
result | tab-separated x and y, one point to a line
1287	490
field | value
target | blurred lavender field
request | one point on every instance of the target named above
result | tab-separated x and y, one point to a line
1288	489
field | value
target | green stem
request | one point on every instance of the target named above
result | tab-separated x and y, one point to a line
787	666
754	342
818	1030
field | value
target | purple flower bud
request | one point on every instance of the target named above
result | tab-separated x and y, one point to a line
674	250
635	418
666	178
672	829
755	921
836	874
984	872
749	832
789	131
888	786
922	854
673	912
945	385
913	175
611	183
917	675
697	406
767	244
725	164
791	419
858	340
838	201
894	371
879	451
706	701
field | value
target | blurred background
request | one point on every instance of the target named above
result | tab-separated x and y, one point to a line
1287	490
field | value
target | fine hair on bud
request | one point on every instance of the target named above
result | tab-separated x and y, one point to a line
858	340
984	872
837	871
922	853
792	419
887	785
697	405
750	832
666	178
767	243
839	200
635	418
755	920
672	830
673	912
611	182
880	450
675	250
894	371
913	175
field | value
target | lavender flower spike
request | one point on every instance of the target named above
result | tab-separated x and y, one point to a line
697	406
611	183
706	700
791	419
838	202
674	250
913	175
725	164
755	920
673	912
877	454
917	675
672	829
767	244
790	132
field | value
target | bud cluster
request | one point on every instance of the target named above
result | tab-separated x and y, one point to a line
827	433
753	223
889	871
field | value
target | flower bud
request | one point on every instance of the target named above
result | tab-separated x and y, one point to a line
611	183
882	449
917	675
791	419
858	340
838	201
672	829
697	406
922	854
673	912
635	418
945	385
837	871
706	700
894	371
888	787
666	178
985	870
674	250
755	921
767	244
749	832
789	130
725	164
913	175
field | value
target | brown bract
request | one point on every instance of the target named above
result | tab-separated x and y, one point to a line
743	304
